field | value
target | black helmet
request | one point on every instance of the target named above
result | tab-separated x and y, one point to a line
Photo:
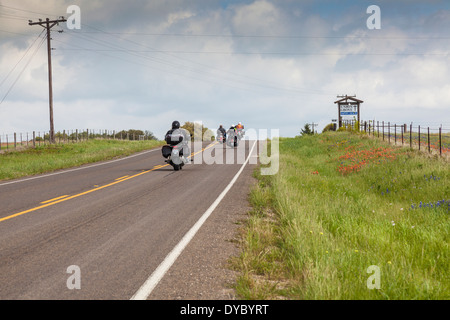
175	125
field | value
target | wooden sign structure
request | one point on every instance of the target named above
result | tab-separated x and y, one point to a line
348	107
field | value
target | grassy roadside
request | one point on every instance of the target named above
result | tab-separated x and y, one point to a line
17	164
340	204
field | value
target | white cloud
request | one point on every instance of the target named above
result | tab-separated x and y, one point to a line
213	74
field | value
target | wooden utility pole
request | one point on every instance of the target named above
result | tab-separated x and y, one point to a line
49	24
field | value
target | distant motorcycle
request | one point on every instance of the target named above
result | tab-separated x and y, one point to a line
221	139
240	133
232	140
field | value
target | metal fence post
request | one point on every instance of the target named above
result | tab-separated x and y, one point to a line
410	135
395	134
419	137
429	149
389	132
403	128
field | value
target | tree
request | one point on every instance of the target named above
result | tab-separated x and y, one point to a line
329	127
198	132
150	135
306	130
134	134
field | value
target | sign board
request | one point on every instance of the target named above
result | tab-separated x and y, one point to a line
349	110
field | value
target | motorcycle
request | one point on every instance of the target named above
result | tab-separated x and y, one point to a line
232	140
174	156
174	149
240	133
220	139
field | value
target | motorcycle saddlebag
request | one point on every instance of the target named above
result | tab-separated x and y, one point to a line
166	151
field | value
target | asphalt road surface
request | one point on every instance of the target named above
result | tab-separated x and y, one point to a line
100	231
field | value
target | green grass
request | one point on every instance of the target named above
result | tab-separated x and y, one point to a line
17	164
315	230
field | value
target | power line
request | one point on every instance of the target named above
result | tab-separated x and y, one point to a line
23	69
20	60
186	35
29	11
205	69
262	53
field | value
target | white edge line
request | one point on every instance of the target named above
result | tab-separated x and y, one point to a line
76	169
146	289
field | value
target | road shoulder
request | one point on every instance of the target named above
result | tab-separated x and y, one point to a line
202	271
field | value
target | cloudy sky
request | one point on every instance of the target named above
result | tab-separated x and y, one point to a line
270	64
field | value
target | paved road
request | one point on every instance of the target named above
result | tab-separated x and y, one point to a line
115	221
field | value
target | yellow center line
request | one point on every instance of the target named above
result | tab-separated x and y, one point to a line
121	178
72	197
55	201
48	201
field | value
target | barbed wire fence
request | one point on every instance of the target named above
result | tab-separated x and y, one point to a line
16	141
432	139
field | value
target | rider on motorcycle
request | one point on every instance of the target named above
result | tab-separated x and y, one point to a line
240	130
179	136
232	131
222	131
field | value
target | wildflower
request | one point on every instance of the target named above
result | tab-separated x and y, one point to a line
389	262
393	223
356	251
401	209
321	233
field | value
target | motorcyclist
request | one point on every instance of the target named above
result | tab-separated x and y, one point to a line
240	126
240	130
222	131
231	132
179	136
